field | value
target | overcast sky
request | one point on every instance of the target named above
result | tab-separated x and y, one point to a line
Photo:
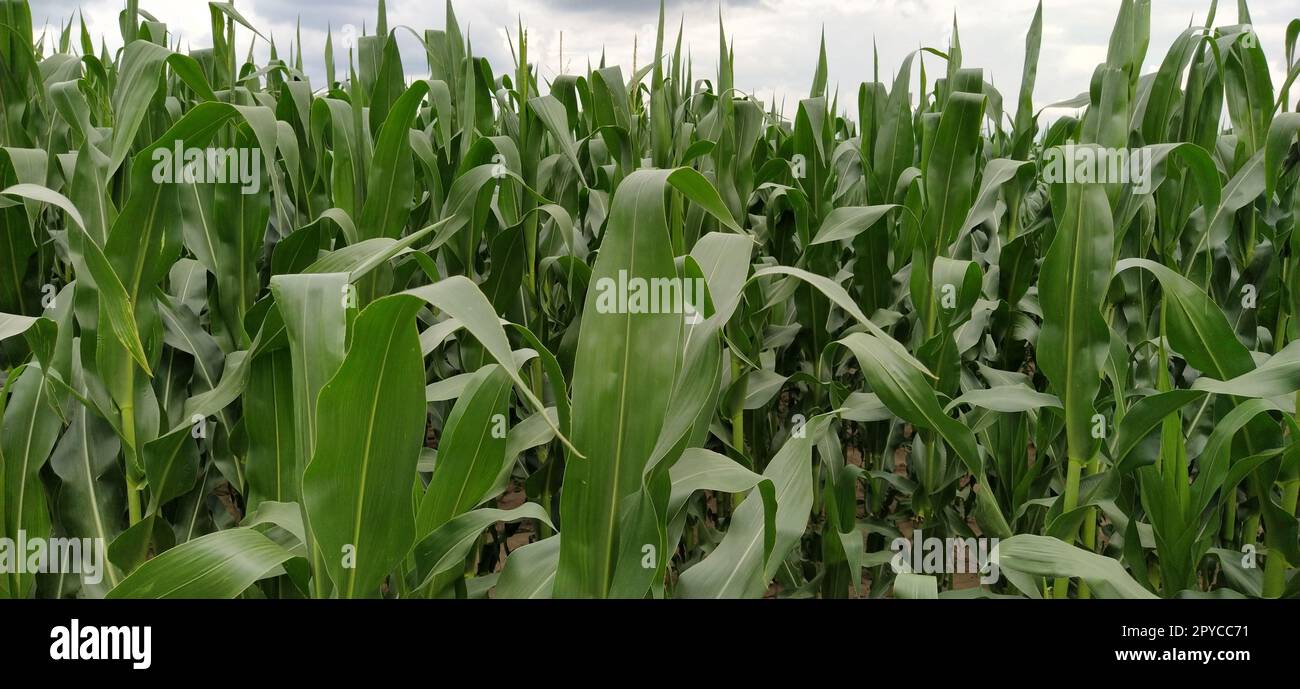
775	40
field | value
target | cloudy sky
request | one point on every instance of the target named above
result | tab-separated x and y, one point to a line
775	40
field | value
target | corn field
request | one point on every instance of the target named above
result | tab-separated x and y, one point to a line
638	334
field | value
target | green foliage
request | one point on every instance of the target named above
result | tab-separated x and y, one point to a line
623	335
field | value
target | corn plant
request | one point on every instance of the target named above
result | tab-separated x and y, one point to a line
640	334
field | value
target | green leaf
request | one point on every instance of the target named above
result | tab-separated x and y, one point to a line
756	542
1074	339
622	380
218	565
27	436
903	389
391	183
1279	375
916	586
446	548
1050	557
370	426
530	570
471	450
1198	330
849	222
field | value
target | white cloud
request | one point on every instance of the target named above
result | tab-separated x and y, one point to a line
775	41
